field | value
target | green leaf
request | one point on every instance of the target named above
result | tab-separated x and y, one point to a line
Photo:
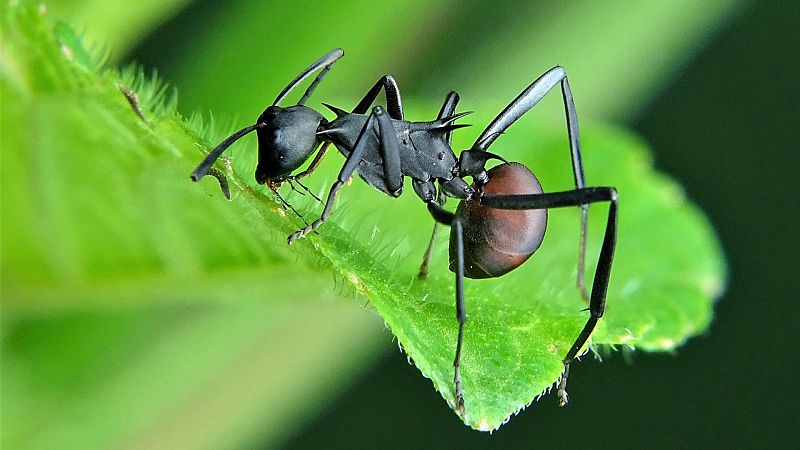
104	215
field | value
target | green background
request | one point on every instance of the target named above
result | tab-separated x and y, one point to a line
714	92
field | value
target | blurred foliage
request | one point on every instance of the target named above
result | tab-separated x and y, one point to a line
115	26
127	301
618	53
145	263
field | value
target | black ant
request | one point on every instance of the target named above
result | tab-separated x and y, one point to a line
502	217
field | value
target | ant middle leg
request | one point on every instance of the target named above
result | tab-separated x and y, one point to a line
389	150
428	193
597	301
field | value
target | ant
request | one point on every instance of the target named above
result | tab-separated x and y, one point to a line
501	218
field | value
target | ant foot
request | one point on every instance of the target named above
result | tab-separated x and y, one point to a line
563	397
301	233
561	392
459	393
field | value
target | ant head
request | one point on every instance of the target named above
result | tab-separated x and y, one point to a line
285	141
286	136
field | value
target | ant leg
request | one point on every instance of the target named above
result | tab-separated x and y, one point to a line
324	63
393	103
461	313
427	191
311	168
303	188
426	258
434	200
284	204
344	174
522	104
389	150
597	302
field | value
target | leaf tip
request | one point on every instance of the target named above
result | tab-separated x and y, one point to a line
666	343
484	425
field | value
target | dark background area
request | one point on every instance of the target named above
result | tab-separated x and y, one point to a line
725	128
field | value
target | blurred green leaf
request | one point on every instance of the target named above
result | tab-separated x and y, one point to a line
618	53
176	377
250	50
113	24
133	313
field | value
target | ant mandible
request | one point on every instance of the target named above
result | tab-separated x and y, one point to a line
501	218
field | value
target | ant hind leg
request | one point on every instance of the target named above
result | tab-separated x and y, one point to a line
597	301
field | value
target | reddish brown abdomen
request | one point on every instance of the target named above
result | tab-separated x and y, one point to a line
496	241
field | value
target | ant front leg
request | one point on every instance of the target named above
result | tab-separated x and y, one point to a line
522	104
597	299
390	152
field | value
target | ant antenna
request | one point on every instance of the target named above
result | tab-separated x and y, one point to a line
205	165
325	62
